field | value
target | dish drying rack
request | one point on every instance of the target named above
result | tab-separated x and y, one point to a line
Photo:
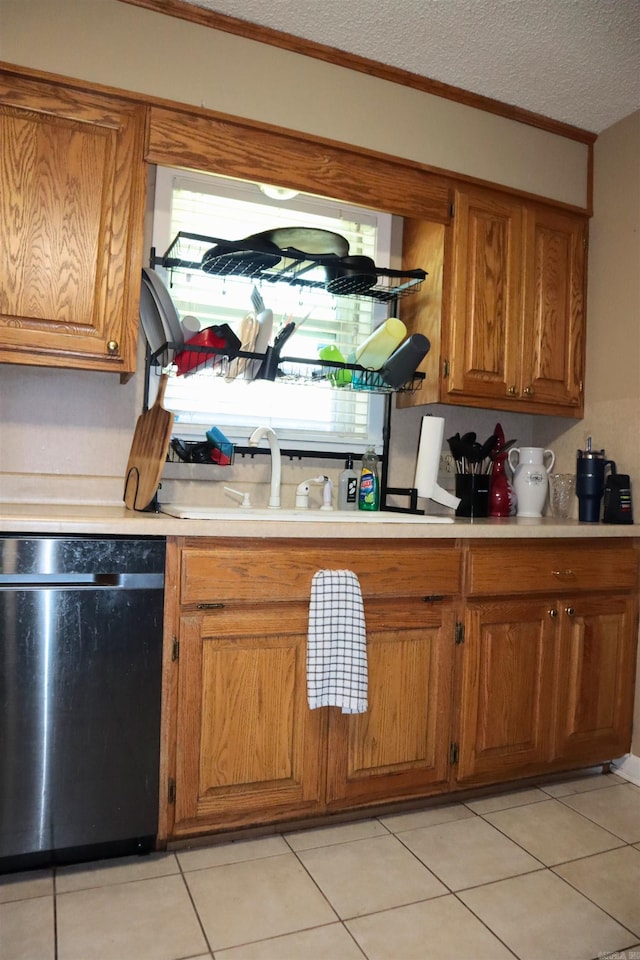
295	268
216	361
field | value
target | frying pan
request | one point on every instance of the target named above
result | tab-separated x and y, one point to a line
241	257
309	240
350	275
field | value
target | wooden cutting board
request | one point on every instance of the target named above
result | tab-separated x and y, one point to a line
148	452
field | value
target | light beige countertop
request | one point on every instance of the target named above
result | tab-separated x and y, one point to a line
57	518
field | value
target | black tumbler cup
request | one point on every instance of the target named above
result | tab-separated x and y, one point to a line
590	477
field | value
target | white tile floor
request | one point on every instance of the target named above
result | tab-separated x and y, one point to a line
549	873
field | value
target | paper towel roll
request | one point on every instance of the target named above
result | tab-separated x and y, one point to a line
428	462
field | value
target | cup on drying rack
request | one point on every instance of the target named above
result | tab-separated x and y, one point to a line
400	367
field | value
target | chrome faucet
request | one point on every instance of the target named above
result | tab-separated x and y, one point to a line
276	464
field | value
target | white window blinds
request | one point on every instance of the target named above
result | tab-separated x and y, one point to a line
306	416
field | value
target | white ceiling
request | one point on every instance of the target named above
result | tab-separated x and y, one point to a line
577	61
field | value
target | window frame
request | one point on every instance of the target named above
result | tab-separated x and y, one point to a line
387	231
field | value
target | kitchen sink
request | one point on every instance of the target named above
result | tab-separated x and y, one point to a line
317	516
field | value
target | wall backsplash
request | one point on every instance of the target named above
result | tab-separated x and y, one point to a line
66	436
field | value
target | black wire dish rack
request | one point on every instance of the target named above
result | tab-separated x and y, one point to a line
224	258
219	351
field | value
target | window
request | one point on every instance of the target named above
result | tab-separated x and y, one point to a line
305	416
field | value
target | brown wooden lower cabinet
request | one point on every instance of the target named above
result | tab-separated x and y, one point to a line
399	748
504	673
596	676
248	749
508	690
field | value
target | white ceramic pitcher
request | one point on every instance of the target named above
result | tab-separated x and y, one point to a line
530	478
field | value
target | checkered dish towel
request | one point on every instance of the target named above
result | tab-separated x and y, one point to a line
337	643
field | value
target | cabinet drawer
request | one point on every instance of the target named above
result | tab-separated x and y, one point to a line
272	570
552	567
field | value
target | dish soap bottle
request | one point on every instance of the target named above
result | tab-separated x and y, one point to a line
348	487
369	495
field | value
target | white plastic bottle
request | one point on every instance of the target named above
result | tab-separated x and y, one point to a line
379	345
348	487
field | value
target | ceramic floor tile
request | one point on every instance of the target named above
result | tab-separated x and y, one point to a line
617	810
368	875
234	852
552	832
102	873
27	930
141	920
612	881
343	833
331	942
502	801
441	928
397	822
468	852
253	900
589	780
25	886
540	917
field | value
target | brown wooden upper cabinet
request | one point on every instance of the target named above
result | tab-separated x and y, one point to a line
71	225
504	308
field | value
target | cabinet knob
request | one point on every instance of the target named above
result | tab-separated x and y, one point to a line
553	613
512	391
528	391
570	611
112	348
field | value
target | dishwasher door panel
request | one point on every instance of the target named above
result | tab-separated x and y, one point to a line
80	670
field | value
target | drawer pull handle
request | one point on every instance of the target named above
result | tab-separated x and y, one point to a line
210	606
553	613
564	574
570	611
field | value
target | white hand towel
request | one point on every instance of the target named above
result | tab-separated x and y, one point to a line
337	643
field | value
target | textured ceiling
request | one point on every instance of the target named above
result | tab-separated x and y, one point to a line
576	61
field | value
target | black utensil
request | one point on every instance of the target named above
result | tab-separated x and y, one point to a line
498	451
269	366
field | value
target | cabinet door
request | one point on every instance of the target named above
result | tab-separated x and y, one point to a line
399	748
484	295
71	226
507	689
596	677
248	748
553	318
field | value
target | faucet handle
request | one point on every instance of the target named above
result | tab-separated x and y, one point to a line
243	498
302	492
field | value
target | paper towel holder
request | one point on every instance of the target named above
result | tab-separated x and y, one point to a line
428	463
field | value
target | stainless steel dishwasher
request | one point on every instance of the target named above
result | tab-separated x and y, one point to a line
80	678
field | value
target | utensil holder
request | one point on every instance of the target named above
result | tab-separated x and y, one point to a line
473	490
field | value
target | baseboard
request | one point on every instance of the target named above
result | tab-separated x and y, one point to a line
628	767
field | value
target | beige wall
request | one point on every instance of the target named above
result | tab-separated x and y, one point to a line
612	410
126	46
